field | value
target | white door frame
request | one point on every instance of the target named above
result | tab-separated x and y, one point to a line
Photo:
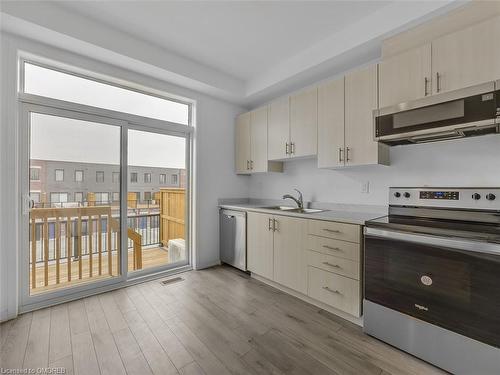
32	103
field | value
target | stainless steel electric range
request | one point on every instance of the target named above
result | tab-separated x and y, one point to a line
432	277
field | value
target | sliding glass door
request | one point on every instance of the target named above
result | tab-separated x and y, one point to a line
156	200
74	222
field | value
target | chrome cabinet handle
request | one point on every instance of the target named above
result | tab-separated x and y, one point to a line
332	248
248	165
286	148
347	149
270	226
251	164
275	225
426	81
292	148
438	82
340	154
332	290
331	230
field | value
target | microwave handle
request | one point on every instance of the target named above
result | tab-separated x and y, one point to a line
450	242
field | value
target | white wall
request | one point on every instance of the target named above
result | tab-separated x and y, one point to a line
214	158
467	162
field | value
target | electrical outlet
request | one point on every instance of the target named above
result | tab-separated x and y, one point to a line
365	187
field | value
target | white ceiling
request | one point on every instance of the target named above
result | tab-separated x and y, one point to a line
242	51
242	39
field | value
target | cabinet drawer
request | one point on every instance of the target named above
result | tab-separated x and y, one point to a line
334	290
338	248
333	264
330	229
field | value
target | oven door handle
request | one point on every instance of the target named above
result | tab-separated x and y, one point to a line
450	242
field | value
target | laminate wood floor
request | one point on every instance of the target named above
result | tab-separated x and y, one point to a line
216	321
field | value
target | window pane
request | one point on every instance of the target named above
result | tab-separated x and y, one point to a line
59	174
79	148
156	207
35	174
99	176
133	177
63	86
78	176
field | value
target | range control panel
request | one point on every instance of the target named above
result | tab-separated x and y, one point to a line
441	194
467	198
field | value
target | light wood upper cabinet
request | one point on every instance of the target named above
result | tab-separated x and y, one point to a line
243	143
290	266
405	77
258	136
304	123
260	251
331	124
251	143
360	102
279	129
468	57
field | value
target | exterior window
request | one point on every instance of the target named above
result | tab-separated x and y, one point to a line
102	197
63	86
175	179
147	178
35	196
163	179
147	195
99	176
116	196
116	177
78	176
35	174
79	197
58	197
59	174
133	177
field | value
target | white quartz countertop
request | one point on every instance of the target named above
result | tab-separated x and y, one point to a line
342	214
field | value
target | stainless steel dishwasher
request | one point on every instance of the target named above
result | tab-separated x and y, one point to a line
233	238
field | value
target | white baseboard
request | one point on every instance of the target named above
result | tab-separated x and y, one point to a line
351	318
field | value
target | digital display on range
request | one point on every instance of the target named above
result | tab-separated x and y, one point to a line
449	195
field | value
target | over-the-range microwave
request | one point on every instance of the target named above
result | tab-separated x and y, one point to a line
456	114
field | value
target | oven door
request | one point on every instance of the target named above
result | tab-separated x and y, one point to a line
453	283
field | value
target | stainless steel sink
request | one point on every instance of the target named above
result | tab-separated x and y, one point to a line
280	208
294	209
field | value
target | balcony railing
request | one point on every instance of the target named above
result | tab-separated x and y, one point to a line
69	245
87	235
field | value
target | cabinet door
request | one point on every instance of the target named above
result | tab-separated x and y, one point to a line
242	151
258	144
304	123
290	264
260	256
331	124
405	77
360	101
278	129
467	57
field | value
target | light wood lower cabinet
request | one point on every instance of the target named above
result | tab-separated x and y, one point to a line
289	257
260	248
301	255
340	292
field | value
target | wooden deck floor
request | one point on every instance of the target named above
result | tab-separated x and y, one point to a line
215	321
151	257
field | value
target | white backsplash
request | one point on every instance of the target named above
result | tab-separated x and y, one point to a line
467	162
